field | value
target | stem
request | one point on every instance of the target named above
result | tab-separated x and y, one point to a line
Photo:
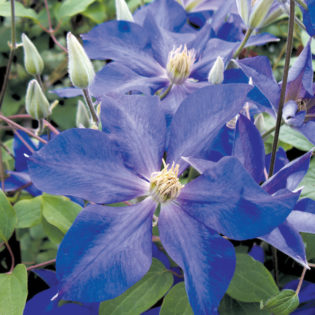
40	82
43	264
88	101
23	141
243	43
12	52
40	127
5	148
12	256
17	126
283	87
51	127
2	175
166	92
279	114
297	291
270	131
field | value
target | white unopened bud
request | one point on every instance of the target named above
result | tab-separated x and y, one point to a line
216	74
83	118
36	103
80	67
33	62
260	123
243	8
122	11
259	12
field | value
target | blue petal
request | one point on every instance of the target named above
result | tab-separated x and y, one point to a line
257	252
281	160
226	198
48	276
309	17
67	92
289	176
83	163
261	39
249	148
114	251
207	259
287	239
300	77
122	41
20	149
136	125
168	14
259	69
208	110
307	292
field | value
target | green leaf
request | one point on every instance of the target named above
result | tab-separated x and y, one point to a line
59	211
252	282
309	242
289	135
7	159
7	218
70	8
20	10
143	294
13	291
54	234
28	212
282	303
229	306
309	182
176	302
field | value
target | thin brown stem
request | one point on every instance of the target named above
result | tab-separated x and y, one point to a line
6	149
297	291
23	141
2	174
43	264
17	126
51	127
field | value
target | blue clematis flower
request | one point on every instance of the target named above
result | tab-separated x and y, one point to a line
108	249
299	108
309	17
248	147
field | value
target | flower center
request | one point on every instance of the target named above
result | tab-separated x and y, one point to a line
165	185
179	64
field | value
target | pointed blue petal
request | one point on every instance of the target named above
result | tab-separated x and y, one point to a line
226	198
257	252
249	148
281	160
136	124
309	17
287	239
289	176
259	69
83	163
300	77
207	259
114	251
208	110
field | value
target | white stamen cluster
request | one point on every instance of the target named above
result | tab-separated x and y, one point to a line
179	64
165	185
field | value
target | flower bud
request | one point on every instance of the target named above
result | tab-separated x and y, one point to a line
83	118
243	8
36	103
80	67
216	74
259	12
33	62
122	11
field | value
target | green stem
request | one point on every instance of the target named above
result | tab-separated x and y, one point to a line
166	92
88	101
283	87
243	43
12	52
270	131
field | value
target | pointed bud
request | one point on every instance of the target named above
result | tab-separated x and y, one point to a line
216	74
80	67
259	12
83	118
122	11
36	103
243	8
33	62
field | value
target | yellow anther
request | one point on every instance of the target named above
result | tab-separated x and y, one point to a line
165	185
179	64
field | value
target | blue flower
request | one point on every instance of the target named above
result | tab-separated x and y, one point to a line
299	108
108	249
309	17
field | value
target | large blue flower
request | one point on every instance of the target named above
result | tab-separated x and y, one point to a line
108	249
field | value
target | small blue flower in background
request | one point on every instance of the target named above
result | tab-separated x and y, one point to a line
124	163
